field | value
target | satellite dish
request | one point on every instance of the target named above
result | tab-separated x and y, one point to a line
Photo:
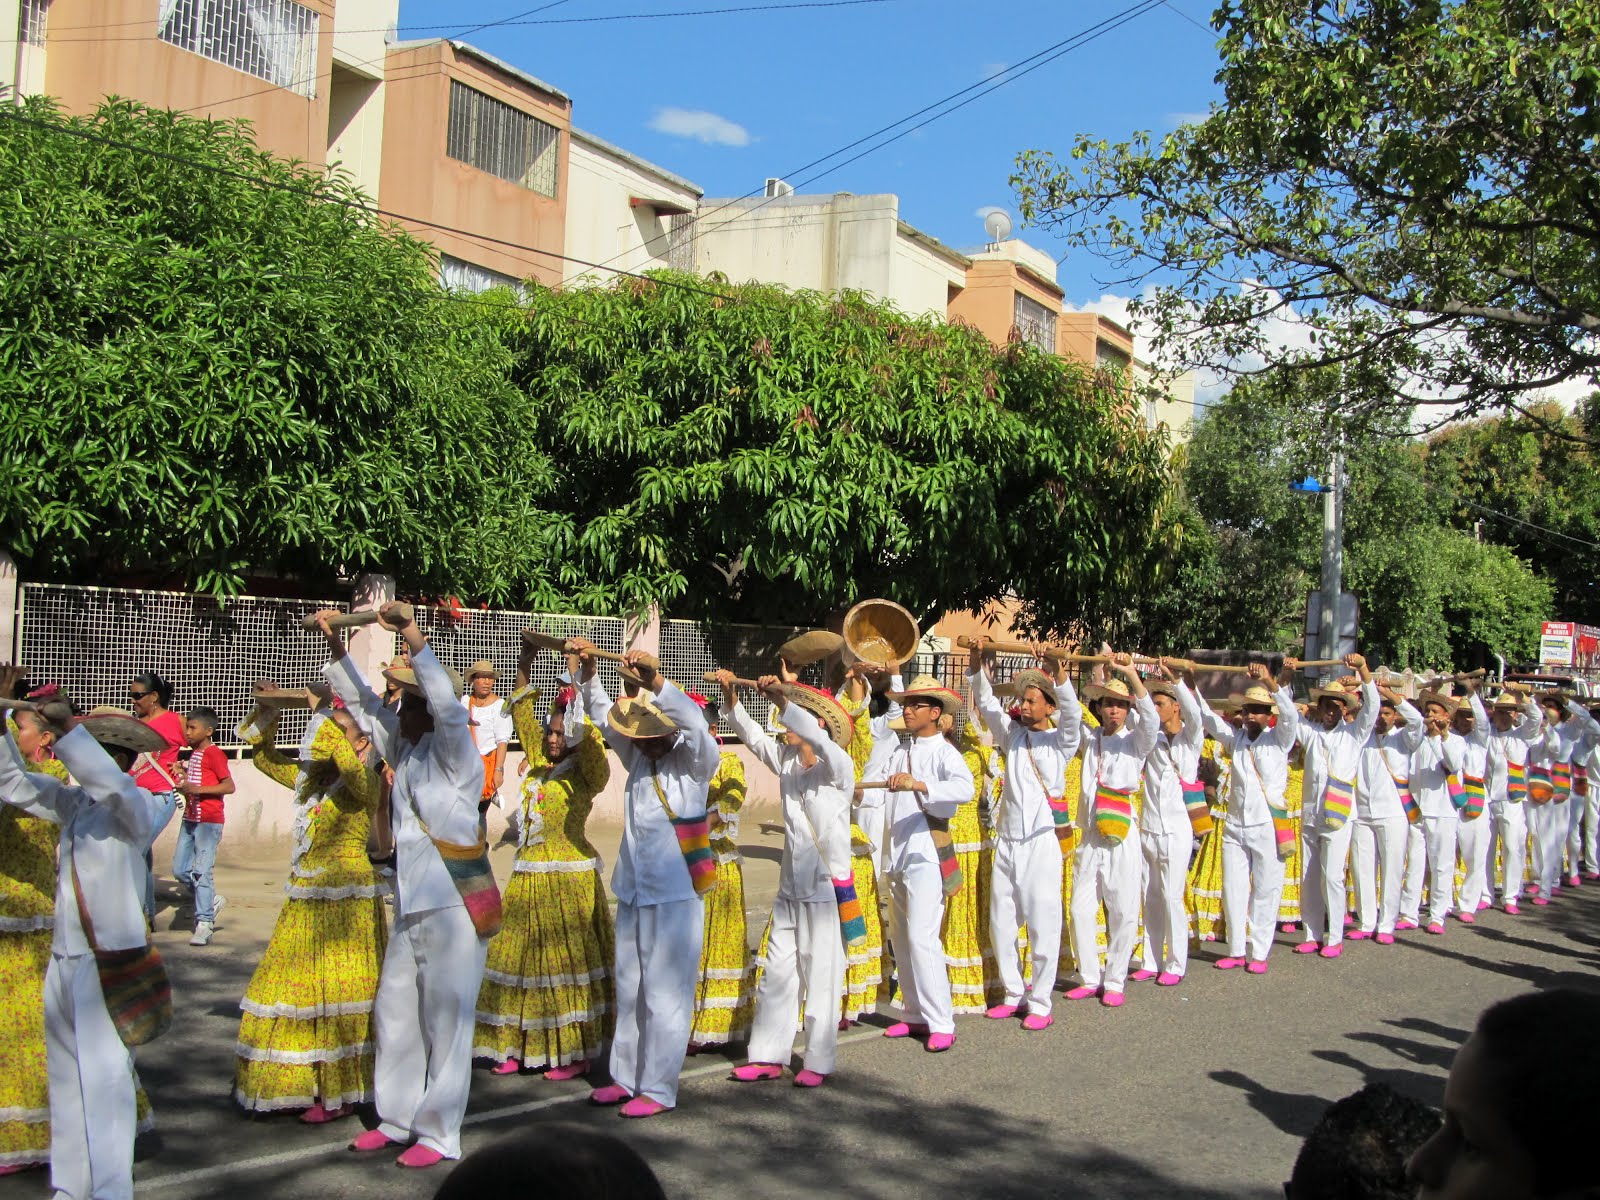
998	226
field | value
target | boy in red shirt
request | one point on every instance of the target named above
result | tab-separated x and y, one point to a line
203	784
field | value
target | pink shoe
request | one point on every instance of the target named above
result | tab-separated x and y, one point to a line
1288	927
612	1093
1435	927
754	1072
1255	967
419	1156
572	1070
1113	1000
1467	918
1228	964
372	1139
1168	979
1034	1022
809	1078
1385	939
1358	935
1081	992
1306	948
317	1114
1540	900
905	1029
1331	951
1348	920
1591	876
1483	904
1512	909
1574	881
510	1067
642	1106
1141	975
938	1043
18	1168
1404	924
1001	1012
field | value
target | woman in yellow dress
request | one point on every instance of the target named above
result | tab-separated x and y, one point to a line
1204	897
306	1040
974	981
1289	904
866	966
1067	964
724	998
548	997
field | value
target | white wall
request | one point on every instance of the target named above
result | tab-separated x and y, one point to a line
603	225
361	30
21	64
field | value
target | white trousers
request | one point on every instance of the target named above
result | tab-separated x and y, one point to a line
916	914
92	1117
425	1012
1378	848
1441	835
1166	920
1472	839
658	963
1548	824
804	973
1025	889
1416	872
1591	828
1511	831
1577	807
1102	872
1323	898
1252	886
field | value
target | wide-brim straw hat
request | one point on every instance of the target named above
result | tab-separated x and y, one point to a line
1111	689
406	678
1335	691
926	687
1161	687
1255	694
1448	703
113	727
482	667
1508	702
823	707
1023	680
637	718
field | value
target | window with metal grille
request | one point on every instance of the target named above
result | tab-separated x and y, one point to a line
680	242
30	27
1035	322
461	276
275	40
491	135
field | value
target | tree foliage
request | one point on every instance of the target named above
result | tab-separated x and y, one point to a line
1416	182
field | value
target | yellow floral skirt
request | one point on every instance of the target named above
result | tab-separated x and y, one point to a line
865	965
24	1084
307	1032
548	998
1293	872
1204	895
965	932
723	998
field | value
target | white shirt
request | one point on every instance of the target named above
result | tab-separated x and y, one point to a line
650	867
490	723
1174	760
1509	747
935	762
1385	758
1117	760
1431	766
1334	753
816	802
1261	767
1036	761
106	822
438	779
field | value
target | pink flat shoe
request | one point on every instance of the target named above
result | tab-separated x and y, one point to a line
1306	948
1228	964
1113	1000
1512	910
754	1072
809	1078
1540	900
1001	1012
372	1139
641	1106
1403	924
317	1114
1348	920
18	1168
510	1067
1082	992
1435	927
1141	975
1330	951
1288	927
1591	876
1466	918
938	1043
1168	979
612	1093
1483	904
1255	967
572	1070
1034	1022
1384	939
1574	881
904	1029
419	1156
1358	935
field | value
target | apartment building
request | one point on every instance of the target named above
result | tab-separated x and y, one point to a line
625	214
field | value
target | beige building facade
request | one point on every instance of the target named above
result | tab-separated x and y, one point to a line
624	213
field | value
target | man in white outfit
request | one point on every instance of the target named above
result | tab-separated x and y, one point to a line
663	742
868	811
428	990
928	781
1107	863
1379	846
1333	738
1253	852
805	961
1581	734
1439	757
1510	742
106	823
1474	825
1025	887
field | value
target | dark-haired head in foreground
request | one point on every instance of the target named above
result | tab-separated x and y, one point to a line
562	1161
1360	1147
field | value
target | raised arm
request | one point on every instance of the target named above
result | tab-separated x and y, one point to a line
1210	722
1069	713
987	703
1531	728
756	739
1480	719
370	711
1193	734
109	785
1284	732
1148	727
703	751
1415	728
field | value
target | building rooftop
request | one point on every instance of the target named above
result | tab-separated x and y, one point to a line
484	56
635	161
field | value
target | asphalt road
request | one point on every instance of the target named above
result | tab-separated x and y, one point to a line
1204	1090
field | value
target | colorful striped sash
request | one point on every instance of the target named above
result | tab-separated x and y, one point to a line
1194	803
469	870
694	842
1113	812
1457	792
1282	826
950	879
1476	796
852	921
1338	798
1516	781
1540	789
1561	781
1402	788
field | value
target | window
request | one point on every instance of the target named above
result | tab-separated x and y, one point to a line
1035	323
31	28
494	137
680	242
275	40
1111	357
459	275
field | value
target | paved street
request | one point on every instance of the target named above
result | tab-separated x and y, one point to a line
1203	1090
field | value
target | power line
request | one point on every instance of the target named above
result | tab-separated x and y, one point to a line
1513	520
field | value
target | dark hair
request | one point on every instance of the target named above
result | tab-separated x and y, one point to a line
562	1160
1359	1149
1533	1047
151	682
206	716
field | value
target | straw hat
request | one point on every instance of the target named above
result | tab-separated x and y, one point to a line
1254	695
637	718
1161	687
113	727
1448	703
406	678
926	687
1112	689
824	708
1334	691
1030	678
482	667
1508	702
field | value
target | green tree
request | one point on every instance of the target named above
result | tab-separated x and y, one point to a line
1416	183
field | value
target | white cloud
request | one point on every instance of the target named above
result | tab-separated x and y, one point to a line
991	69
1174	119
702	126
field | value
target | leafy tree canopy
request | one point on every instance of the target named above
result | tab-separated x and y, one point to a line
1417	182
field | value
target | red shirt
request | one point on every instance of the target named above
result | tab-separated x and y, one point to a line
204	769
170	726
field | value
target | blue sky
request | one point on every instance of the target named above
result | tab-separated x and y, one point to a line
729	100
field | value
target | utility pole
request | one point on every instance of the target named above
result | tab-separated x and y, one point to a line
1332	556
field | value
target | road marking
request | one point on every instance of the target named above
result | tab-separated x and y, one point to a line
172	1179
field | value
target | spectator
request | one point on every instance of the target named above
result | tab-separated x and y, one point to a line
1360	1147
560	1160
204	783
151	697
1520	1105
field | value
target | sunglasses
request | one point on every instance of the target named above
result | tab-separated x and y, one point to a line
137	695
921	704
